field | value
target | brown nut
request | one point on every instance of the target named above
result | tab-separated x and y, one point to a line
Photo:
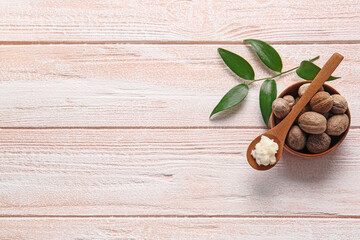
290	100
304	87
337	124
340	104
318	143
321	102
280	108
312	122
296	138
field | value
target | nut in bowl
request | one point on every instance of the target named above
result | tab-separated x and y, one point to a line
320	127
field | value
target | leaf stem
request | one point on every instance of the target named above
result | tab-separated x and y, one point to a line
282	73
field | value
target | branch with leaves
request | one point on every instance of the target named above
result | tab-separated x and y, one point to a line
268	91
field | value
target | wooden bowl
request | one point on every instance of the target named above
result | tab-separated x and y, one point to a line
335	140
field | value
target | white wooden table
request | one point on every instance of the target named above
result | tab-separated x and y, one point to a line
105	131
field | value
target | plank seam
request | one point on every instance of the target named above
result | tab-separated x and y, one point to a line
135	127
142	127
326	216
174	42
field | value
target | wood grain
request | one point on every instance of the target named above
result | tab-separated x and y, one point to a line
140	172
126	85
174	228
104	130
164	21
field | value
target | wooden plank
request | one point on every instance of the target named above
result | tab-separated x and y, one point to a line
179	228
144	85
168	172
159	20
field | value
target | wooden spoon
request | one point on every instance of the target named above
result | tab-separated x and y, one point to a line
279	132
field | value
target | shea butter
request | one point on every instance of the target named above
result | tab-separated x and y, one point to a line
265	150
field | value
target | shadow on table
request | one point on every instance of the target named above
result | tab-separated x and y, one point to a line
299	170
309	170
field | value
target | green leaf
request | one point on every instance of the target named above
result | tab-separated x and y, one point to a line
267	54
267	96
237	64
235	96
309	70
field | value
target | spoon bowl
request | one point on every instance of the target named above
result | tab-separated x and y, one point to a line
252	145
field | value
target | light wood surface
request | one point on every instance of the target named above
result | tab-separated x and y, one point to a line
179	20
168	172
104	129
179	228
144	85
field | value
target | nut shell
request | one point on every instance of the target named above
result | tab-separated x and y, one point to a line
321	102
296	138
318	143
340	104
312	122
290	100
337	125
304	87
280	108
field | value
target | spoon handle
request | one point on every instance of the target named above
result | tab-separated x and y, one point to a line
319	80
